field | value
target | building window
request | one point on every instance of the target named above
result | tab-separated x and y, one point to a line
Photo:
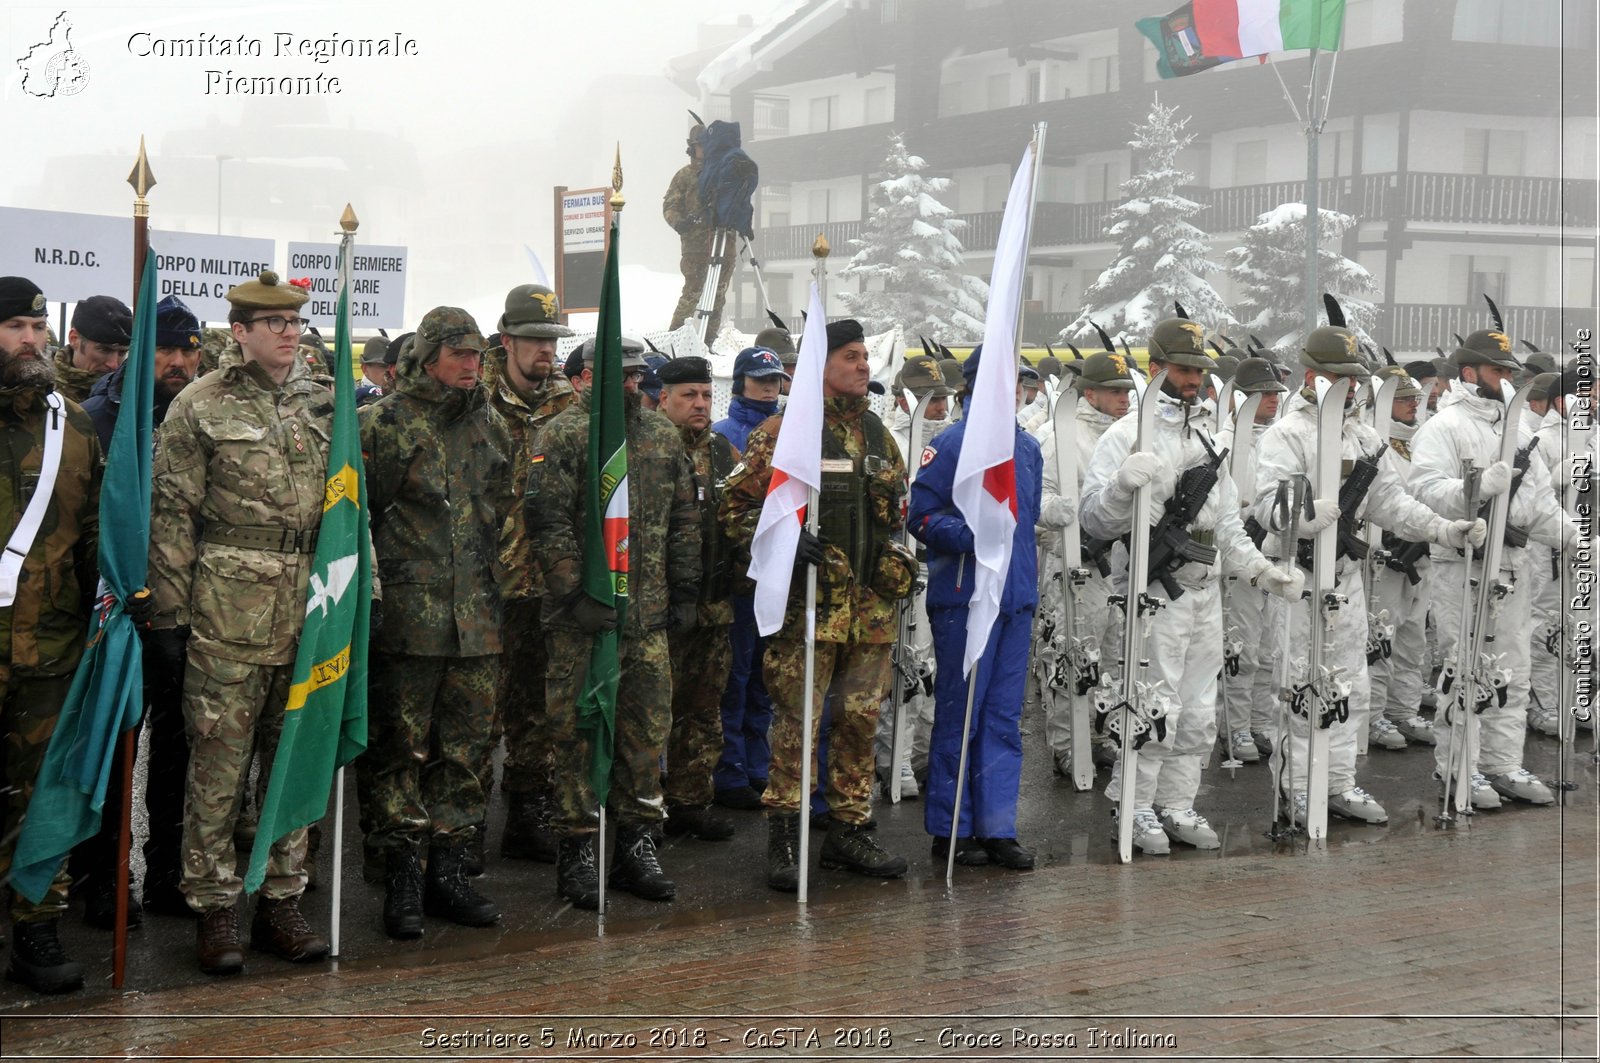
1334	153
1102	74
1102	182
775	205
1474	276
819	206
875	106
771	116
995	187
1494	151
1521	21
1250	162
998	89
823	111
1035	85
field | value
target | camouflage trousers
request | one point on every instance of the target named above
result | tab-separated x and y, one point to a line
428	723
855	676
225	704
519	705
28	711
644	716
703	657
694	264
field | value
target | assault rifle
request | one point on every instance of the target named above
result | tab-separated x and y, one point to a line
1352	493
1171	546
1403	556
1097	552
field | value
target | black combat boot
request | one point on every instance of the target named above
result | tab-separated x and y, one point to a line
281	929
783	851
528	835
100	904
852	848
701	821
472	862
635	867
577	875
402	896
164	896
448	895
39	962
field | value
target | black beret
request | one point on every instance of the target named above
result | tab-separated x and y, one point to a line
690	369
391	353
1421	369
104	319
843	331
20	297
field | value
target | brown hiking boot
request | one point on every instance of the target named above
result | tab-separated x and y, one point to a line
217	941
280	928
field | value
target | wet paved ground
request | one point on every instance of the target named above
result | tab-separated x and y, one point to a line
1400	941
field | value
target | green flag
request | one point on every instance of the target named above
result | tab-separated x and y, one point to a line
325	718
605	539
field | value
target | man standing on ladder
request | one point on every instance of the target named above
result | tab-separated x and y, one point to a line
687	213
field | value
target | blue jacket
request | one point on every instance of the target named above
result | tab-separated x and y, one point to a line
935	520
743	416
105	399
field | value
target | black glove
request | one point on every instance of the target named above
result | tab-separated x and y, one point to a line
808	549
141	608
170	646
592	616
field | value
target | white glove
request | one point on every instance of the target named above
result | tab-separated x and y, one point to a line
1495	481
1286	585
1459	534
1141	468
1324	511
1057	512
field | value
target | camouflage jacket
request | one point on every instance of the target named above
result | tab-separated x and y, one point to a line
439	480
72	382
43	629
663	522
713	459
682	207
238	450
850	608
524	418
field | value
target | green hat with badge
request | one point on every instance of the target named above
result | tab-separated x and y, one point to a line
1257	376
922	376
1407	388
533	310
1106	369
267	292
1490	346
375	351
1333	348
1180	341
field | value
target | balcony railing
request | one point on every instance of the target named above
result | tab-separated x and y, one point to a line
1468	199
1424	326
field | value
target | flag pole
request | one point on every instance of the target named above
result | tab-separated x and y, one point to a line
142	181
618	201
819	252
972	677
348	223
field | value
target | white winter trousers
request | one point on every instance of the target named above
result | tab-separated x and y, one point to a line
1346	649
1501	729
1397	682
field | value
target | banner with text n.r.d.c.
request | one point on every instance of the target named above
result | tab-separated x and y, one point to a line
69	256
377	283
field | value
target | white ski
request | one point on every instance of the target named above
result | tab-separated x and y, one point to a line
1077	657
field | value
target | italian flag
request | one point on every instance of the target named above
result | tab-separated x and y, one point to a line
1203	33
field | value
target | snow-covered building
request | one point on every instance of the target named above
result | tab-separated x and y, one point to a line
1461	137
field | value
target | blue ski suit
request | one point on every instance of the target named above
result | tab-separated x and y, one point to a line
989	798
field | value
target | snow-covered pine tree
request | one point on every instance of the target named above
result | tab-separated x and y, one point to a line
911	260
1161	254
1269	272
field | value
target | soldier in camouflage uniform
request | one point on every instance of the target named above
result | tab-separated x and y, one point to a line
663	573
240	468
438	461
42	628
527	391
97	342
699	639
686	213
862	571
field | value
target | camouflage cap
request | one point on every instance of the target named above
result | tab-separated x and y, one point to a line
1257	376
1407	388
776	340
1105	369
20	297
446	326
375	351
1333	349
266	292
1485	347
533	310
1541	386
1179	341
921	376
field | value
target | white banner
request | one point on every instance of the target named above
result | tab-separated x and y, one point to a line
69	256
377	284
199	268
583	220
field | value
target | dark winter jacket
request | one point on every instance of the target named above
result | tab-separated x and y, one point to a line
743	415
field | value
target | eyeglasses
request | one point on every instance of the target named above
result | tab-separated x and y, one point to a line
276	323
632	374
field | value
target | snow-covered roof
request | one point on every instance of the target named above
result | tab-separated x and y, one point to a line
791	26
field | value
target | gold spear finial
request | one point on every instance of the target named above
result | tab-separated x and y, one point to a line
348	222
617	199
820	248
140	177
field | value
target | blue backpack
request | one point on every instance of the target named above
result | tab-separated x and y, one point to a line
728	179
